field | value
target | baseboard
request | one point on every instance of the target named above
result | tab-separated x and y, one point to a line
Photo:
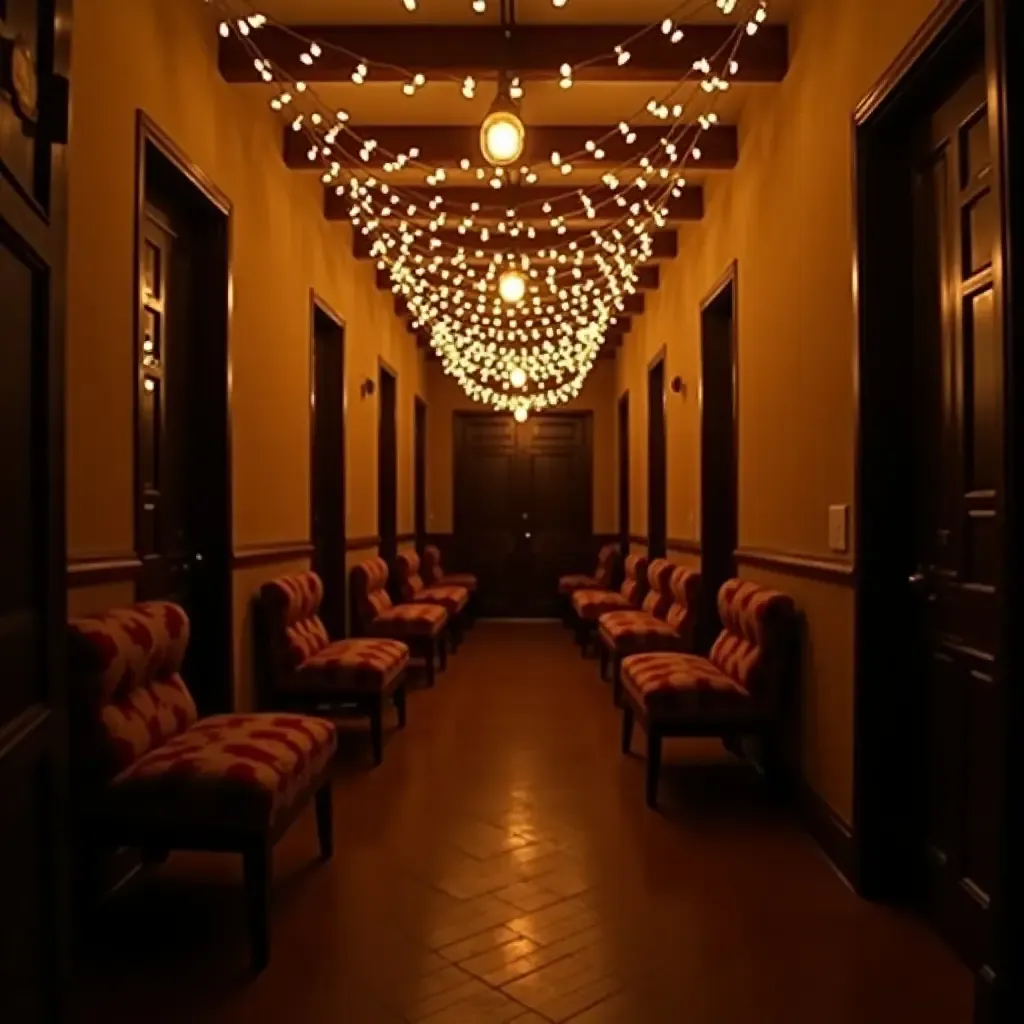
828	830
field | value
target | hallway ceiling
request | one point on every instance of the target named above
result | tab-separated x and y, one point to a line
445	41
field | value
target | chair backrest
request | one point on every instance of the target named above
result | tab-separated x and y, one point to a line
431	568
407	565
659	595
634	586
607	559
291	622
127	696
758	630
682	613
369	582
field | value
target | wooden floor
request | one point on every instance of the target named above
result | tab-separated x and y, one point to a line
501	866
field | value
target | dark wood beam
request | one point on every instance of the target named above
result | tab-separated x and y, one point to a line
446	145
529	200
648	276
534	51
665	244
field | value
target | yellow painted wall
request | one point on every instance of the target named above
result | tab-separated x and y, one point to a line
445	397
161	57
786	215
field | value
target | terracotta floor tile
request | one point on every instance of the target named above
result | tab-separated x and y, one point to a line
500	867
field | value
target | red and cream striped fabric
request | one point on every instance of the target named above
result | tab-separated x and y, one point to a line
379	617
452	599
629	632
590	605
229	771
367	664
369	584
435	576
682	613
128	696
667	680
601	578
294	602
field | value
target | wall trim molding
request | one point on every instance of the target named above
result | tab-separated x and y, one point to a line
405	538
791	563
684	545
362	543
248	555
829	831
86	572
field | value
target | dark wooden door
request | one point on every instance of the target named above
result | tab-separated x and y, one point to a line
624	473
718	521
959	442
420	472
522	506
183	471
33	890
387	467
327	502
657	495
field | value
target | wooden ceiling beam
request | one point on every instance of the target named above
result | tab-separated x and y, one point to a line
648	276
446	146
665	244
533	52
689	206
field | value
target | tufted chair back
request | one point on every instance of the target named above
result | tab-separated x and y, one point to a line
410	581
659	595
369	591
758	629
634	586
431	568
291	625
607	559
682	613
127	696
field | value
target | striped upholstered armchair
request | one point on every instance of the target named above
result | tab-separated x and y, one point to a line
589	605
453	599
601	579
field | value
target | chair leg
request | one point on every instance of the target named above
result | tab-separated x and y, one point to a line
653	765
428	651
616	681
325	820
604	662
581	637
627	729
399	698
442	653
377	729
257	861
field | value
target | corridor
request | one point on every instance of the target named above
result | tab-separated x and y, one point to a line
500	866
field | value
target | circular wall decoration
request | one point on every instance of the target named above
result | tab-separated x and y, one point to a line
24	81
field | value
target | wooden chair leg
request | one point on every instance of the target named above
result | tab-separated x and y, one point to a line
428	652
399	698
442	652
604	662
257	861
616	681
377	729
627	729
653	765
325	821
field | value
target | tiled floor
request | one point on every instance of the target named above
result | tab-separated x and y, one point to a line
501	867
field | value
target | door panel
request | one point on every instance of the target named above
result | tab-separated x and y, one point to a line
959	435
33	890
522	507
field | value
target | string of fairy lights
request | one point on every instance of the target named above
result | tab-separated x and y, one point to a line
517	313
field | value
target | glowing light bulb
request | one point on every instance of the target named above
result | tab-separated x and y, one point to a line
512	287
517	378
520	414
502	137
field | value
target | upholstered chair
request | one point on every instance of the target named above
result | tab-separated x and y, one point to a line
589	605
453	599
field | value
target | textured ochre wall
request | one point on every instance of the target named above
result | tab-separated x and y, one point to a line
445	397
160	57
786	215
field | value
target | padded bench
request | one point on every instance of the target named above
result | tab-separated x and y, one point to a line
150	774
303	666
736	691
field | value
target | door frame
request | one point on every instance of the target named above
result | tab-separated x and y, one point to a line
881	835
149	133
317	303
624	470
384	367
658	359
419	470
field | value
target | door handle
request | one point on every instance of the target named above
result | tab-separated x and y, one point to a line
919	584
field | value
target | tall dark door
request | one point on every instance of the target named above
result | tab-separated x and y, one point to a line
624	490
183	475
718	458
522	504
328	465
387	467
657	467
958	426
420	472
33	738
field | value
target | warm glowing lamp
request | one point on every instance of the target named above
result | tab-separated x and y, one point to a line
520	414
502	135
512	287
517	378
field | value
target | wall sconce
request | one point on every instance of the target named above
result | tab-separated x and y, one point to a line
367	387
678	386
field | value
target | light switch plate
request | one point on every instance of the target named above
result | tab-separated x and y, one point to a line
838	517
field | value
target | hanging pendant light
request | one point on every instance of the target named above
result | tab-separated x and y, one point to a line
502	134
